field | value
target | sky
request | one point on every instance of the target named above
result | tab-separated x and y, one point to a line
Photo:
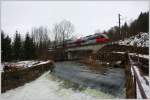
86	16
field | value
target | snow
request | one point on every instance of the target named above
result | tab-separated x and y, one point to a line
1	68
138	95
42	62
107	63
143	82
24	64
47	87
147	77
139	40
119	52
31	63
134	54
139	55
144	56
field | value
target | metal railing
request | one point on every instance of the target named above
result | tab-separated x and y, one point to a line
136	79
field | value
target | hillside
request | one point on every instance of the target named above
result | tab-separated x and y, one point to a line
139	40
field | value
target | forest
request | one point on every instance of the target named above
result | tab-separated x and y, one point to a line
36	43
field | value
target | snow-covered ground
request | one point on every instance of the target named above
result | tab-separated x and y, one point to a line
23	64
1	67
135	54
139	55
140	40
47	87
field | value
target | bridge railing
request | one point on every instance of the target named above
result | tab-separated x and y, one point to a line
140	85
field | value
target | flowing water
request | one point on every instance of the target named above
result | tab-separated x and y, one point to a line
72	81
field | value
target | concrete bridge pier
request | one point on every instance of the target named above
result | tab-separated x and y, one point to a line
78	54
69	56
82	51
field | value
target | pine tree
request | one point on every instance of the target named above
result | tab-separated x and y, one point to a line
29	47
6	47
2	45
17	46
141	24
125	30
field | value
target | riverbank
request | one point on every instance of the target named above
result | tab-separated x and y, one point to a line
13	78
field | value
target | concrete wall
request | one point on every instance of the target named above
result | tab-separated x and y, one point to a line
94	48
10	80
57	55
79	54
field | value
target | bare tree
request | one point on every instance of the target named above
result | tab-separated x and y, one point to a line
57	34
42	40
63	31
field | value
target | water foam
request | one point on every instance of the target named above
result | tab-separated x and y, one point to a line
46	88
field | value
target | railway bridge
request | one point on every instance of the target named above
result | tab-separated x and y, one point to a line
82	51
75	52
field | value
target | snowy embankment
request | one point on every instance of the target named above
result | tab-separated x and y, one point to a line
139	40
135	54
26	64
23	64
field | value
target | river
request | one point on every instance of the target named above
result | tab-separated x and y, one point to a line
72	81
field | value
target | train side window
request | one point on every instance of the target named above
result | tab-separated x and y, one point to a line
102	37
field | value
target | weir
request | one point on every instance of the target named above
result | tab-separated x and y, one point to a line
50	87
15	78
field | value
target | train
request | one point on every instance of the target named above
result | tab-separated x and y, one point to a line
88	40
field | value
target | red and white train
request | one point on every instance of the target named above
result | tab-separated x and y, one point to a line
88	40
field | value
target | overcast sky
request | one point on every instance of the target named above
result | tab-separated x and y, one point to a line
86	16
